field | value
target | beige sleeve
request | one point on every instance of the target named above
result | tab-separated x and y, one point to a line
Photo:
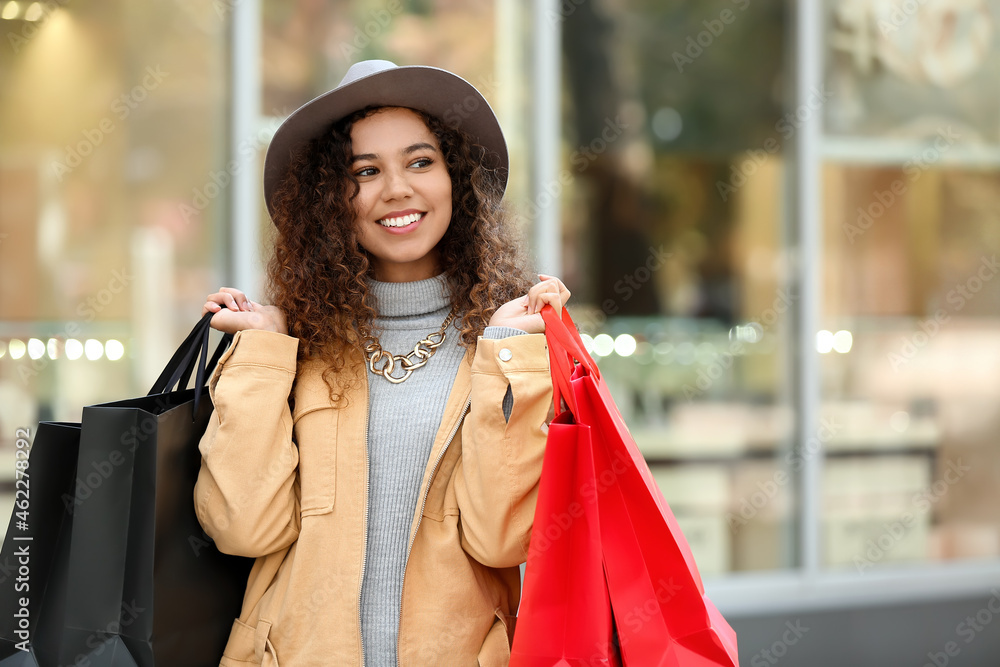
497	482
247	493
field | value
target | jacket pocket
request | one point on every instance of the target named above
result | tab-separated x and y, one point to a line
316	437
249	646
496	648
270	657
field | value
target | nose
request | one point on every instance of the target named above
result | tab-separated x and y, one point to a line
396	185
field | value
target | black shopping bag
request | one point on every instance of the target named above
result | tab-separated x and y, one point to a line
145	585
35	556
140	583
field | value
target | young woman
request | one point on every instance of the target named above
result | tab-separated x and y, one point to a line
379	429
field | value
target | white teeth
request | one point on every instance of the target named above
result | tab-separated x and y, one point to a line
401	221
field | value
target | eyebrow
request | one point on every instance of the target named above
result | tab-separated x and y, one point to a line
406	151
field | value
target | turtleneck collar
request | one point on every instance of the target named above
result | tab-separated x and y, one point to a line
419	297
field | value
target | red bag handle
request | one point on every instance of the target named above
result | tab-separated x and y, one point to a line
563	332
561	367
565	346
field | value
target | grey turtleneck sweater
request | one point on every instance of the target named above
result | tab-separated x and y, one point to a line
402	422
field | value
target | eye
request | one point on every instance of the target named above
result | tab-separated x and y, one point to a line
367	171
422	162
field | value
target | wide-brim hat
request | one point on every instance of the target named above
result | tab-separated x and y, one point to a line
381	83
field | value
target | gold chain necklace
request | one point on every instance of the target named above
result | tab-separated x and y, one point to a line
424	350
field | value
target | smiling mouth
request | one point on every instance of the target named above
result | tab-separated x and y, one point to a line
401	221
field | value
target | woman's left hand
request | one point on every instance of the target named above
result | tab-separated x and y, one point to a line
525	312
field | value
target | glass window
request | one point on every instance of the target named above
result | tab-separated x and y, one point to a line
674	237
112	124
910	346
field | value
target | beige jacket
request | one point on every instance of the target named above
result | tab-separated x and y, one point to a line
290	489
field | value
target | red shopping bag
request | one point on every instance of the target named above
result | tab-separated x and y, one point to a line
565	613
663	617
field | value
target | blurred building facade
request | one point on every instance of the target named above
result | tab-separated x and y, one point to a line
779	221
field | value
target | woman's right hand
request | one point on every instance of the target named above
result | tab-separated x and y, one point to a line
235	312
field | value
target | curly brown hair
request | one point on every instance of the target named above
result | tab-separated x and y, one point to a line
317	271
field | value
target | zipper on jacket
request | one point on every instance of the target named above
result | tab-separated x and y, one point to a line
420	517
364	542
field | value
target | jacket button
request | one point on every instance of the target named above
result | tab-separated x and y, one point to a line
505	354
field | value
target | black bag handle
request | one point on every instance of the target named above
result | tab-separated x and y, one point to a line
180	359
182	376
187	360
